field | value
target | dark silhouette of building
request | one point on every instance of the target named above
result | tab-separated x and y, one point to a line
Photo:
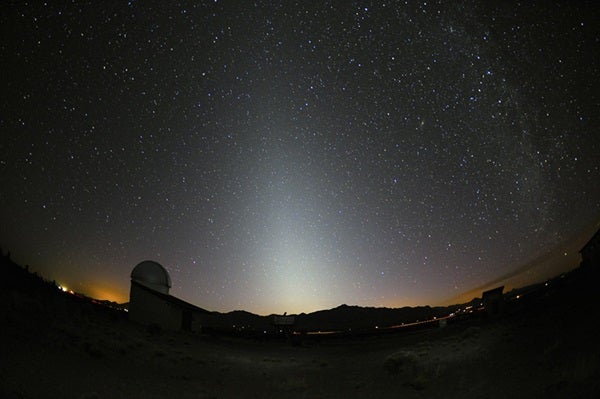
284	324
493	300
150	302
590	253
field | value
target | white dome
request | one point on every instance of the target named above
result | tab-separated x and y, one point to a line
152	275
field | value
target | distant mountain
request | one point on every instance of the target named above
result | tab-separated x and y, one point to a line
240	319
346	317
341	318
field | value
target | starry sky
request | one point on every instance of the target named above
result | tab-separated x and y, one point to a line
296	155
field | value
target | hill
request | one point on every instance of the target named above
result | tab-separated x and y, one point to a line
58	345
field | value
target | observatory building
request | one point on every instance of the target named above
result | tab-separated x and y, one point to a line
150	302
152	275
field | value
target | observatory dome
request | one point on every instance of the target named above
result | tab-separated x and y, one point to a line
152	275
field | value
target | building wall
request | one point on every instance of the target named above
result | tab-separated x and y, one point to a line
197	322
146	308
493	301
590	254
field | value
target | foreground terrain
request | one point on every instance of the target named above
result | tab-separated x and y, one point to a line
543	345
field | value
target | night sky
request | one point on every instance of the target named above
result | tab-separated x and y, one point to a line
294	156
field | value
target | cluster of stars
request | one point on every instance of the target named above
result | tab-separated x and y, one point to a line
285	157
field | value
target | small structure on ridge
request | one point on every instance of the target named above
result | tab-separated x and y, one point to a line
590	253
493	300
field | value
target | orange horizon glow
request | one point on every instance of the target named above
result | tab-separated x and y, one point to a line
561	259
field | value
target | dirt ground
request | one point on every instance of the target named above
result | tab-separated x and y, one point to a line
546	348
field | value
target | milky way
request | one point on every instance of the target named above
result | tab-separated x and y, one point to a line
285	156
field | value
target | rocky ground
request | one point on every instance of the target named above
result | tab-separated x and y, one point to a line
543	346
